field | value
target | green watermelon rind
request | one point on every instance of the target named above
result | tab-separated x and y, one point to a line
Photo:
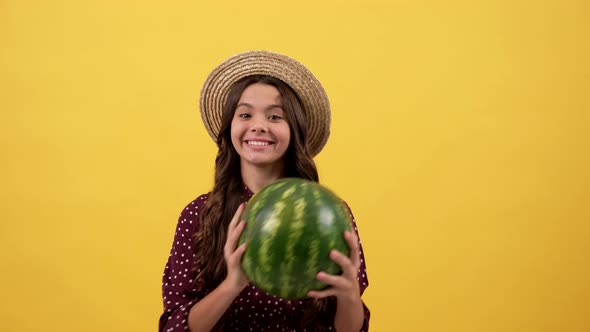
298	249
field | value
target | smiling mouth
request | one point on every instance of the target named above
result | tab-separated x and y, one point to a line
259	143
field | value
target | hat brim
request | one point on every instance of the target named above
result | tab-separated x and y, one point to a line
309	90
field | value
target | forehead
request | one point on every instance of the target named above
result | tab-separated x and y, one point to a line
260	92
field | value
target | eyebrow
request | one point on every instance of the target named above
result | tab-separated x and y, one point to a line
270	107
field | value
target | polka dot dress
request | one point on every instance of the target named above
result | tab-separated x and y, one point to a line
252	310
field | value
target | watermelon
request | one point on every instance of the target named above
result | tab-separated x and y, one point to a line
291	226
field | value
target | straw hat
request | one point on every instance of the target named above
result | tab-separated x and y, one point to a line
309	90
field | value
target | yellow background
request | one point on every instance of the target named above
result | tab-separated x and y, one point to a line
460	137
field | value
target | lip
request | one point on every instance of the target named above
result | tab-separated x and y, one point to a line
258	140
247	141
256	146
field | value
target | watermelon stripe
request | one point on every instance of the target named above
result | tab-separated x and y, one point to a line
296	232
281	258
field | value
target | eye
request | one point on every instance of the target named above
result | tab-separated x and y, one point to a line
275	117
244	115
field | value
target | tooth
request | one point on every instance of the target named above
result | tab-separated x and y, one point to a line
258	143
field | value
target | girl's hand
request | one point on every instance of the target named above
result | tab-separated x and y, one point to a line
236	279
345	286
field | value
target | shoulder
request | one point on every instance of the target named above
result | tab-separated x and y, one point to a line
196	205
347	208
190	214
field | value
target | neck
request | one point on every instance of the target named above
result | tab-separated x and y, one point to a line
257	177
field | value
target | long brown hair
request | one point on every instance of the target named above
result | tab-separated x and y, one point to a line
227	191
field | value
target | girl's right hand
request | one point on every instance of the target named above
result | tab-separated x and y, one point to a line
236	279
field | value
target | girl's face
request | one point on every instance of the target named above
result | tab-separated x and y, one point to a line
259	129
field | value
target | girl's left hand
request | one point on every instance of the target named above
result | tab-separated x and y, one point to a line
345	286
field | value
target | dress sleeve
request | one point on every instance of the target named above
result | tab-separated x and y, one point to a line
362	274
179	292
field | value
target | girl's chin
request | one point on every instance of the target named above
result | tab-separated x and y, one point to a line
261	161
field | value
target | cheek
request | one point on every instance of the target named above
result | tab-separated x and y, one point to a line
235	132
235	128
287	135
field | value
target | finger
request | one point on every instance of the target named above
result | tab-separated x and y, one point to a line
332	280
235	219
241	250
237	255
344	262
322	294
355	252
234	236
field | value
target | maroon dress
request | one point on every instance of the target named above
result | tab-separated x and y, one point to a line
253	309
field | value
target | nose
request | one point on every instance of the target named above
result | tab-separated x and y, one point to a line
258	130
258	126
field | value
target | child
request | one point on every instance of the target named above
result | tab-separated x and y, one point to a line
269	116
